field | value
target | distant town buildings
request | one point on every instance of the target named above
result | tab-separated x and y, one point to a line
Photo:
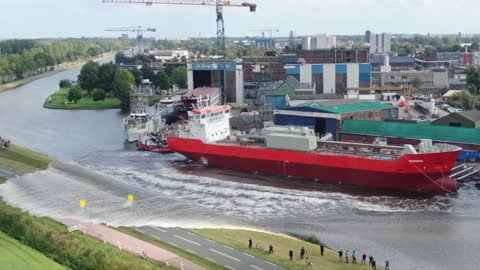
168	55
320	41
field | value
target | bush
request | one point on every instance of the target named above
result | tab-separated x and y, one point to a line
74	94
65	83
98	95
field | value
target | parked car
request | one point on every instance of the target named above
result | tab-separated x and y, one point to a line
454	110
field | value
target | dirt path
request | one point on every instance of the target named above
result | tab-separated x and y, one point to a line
131	244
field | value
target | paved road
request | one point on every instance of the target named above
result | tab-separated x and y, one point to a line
206	248
8	173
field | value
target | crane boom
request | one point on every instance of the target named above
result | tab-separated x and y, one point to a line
219	4
185	2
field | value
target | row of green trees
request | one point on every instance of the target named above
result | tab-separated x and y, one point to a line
469	100
21	58
173	73
74	252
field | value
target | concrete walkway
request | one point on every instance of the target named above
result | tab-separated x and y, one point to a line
131	244
231	258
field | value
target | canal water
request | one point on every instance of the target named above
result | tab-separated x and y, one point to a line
412	231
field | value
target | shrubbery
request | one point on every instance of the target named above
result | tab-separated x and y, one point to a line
65	83
98	95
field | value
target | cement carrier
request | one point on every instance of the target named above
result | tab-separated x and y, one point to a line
298	152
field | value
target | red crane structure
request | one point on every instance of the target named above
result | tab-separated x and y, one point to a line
219	4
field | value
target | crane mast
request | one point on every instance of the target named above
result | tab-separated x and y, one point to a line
219	4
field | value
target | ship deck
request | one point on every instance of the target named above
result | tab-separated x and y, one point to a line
332	148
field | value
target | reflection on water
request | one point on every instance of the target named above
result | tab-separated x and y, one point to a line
414	231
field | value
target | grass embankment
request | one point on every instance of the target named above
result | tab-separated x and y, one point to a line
180	252
238	239
62	67
16	256
58	100
72	250
23	160
2	180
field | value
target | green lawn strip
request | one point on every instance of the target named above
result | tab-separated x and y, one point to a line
180	252
72	250
58	100
16	256
238	239
2	180
23	160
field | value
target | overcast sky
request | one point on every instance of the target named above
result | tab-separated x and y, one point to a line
76	18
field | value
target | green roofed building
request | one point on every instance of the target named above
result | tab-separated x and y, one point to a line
403	133
328	116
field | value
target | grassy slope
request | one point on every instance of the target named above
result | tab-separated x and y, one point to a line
16	256
23	160
85	240
180	252
2	180
86	103
63	67
238	239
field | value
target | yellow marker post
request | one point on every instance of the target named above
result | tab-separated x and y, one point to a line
83	203
130	198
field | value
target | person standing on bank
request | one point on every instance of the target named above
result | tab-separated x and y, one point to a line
250	243
322	247
340	252
364	257
290	254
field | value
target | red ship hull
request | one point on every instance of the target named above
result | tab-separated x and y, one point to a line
422	172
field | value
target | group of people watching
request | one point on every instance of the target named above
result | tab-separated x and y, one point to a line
4	143
371	260
303	256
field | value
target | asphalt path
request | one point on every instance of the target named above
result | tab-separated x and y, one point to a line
8	172
208	249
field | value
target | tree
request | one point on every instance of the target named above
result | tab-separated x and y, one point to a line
122	84
147	72
106	75
65	83
179	77
416	83
88	77
475	46
98	95
74	94
473	79
162	80
120	58
464	100
137	75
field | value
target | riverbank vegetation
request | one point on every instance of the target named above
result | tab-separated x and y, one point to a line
238	239
20	59
16	256
207	264
103	86
23	160
72	250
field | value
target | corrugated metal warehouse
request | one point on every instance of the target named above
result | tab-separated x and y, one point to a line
468	119
327	118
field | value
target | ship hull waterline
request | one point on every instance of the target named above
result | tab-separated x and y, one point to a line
420	172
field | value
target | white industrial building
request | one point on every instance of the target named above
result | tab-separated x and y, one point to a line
380	43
